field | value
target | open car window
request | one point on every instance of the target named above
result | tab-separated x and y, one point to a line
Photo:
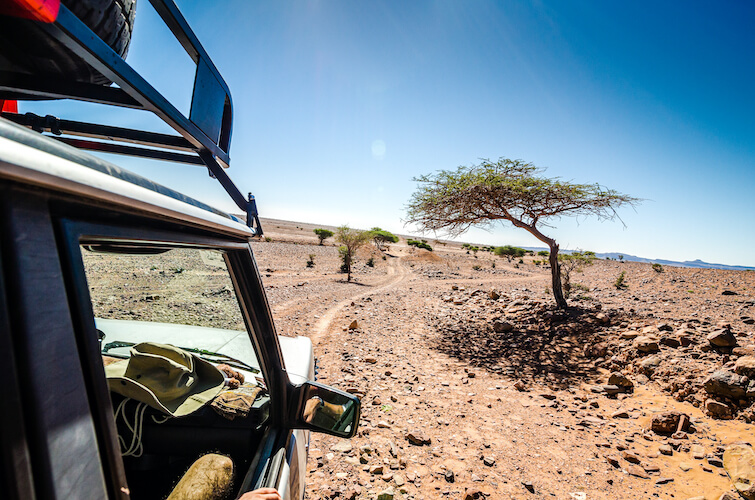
178	296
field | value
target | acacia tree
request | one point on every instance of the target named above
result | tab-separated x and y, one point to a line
352	240
322	234
508	190
380	238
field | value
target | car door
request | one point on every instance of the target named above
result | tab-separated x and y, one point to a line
108	268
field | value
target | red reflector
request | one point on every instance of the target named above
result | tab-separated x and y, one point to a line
38	10
9	106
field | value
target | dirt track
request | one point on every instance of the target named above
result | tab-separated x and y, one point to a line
550	440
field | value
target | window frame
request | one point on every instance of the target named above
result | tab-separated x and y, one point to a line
252	301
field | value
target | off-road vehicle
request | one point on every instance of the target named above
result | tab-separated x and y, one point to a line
97	262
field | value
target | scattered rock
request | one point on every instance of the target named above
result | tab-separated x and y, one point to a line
739	462
502	326
745	366
664	480
417	438
388	494
473	494
621	380
722	338
729	495
666	449
636	470
646	344
667	422
727	384
716	409
354	325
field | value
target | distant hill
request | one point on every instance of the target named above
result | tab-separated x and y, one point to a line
699	264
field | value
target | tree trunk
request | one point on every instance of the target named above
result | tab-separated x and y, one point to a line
348	266
558	293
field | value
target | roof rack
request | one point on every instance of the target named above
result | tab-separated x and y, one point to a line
205	135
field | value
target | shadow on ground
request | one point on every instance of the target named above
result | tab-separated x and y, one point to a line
558	348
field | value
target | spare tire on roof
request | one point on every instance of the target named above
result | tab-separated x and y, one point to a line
26	48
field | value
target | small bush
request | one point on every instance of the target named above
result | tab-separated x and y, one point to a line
544	253
492	264
383	257
657	268
322	234
268	239
421	244
345	259
508	251
311	261
476	267
521	261
371	262
619	283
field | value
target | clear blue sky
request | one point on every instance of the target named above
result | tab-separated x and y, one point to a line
339	104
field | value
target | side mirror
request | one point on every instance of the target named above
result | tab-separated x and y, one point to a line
328	410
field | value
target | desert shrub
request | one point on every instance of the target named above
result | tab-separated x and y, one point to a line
380	237
621	258
419	244
619	283
492	264
509	252
383	257
536	262
268	239
657	268
323	234
544	253
573	262
345	259
311	261
476	267
371	262
351	240
521	261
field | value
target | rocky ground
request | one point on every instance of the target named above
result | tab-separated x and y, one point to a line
474	386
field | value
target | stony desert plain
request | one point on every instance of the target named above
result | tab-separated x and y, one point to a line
474	386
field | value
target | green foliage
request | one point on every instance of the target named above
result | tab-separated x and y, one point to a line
323	234
621	258
619	283
268	239
380	237
311	261
351	240
492	264
371	262
509	252
419	244
657	268
521	261
573	262
507	190
544	253
476	267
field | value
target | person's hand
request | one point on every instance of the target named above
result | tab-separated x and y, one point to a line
236	378
261	494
